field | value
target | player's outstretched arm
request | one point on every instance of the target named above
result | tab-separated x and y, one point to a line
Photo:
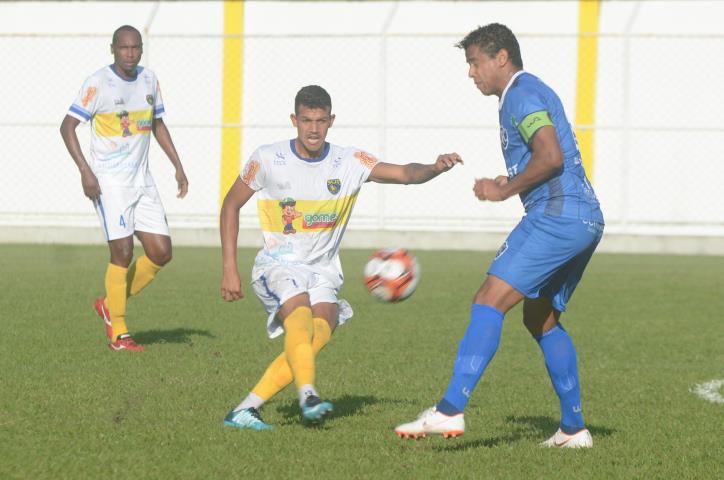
91	188
546	161
163	137
238	195
413	172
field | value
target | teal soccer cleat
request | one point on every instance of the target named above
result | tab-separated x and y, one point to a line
246	418
315	409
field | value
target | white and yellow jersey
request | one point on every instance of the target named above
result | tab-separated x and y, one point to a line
304	204
121	114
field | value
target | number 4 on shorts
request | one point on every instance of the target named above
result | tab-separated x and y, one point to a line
122	222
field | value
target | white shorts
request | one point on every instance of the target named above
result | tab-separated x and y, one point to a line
123	211
277	282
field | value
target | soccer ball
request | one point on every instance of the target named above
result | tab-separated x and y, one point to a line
391	274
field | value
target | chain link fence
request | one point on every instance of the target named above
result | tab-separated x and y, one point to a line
403	97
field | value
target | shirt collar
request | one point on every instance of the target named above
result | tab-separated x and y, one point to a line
505	90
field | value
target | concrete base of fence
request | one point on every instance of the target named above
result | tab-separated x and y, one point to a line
371	239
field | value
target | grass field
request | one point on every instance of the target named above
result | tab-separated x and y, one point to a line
647	329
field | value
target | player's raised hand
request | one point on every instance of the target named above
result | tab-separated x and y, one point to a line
231	290
489	189
446	161
91	188
183	183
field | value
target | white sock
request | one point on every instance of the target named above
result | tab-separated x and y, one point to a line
306	391
251	401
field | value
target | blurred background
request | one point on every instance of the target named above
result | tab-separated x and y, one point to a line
640	81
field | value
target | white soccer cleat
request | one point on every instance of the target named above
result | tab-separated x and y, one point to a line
432	422
580	439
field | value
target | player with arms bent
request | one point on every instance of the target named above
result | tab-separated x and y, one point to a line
306	189
543	258
123	102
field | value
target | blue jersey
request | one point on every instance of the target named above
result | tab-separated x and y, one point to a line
526	105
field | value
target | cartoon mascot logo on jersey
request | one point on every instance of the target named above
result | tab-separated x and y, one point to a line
125	123
289	213
333	185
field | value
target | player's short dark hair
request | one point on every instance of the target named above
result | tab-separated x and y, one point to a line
491	39
125	28
312	96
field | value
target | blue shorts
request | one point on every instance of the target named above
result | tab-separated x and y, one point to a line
545	256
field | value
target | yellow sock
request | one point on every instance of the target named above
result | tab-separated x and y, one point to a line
116	298
298	331
141	274
278	375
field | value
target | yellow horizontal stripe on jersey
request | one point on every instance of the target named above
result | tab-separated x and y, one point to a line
305	215
123	124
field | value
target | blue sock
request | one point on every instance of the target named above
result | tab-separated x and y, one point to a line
476	349
560	357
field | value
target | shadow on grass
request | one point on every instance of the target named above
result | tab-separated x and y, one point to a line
344	406
176	335
526	428
545	426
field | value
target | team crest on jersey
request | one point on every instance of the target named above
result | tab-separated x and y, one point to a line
504	138
149	99
333	185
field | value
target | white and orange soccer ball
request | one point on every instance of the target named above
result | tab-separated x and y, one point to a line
392	274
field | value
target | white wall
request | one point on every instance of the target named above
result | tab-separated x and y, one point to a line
400	90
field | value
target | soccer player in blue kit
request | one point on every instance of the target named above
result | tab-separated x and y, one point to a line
543	258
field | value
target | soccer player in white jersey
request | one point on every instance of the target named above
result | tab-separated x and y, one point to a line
124	105
306	189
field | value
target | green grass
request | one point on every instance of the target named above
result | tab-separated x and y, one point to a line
647	329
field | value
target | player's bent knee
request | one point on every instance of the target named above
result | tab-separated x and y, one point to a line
160	258
122	259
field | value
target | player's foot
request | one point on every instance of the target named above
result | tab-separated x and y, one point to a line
580	439
315	409
102	311
246	418
125	342
432	422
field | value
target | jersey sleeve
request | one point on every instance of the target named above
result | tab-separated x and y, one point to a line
530	113
253	173
86	102
364	162
158	108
